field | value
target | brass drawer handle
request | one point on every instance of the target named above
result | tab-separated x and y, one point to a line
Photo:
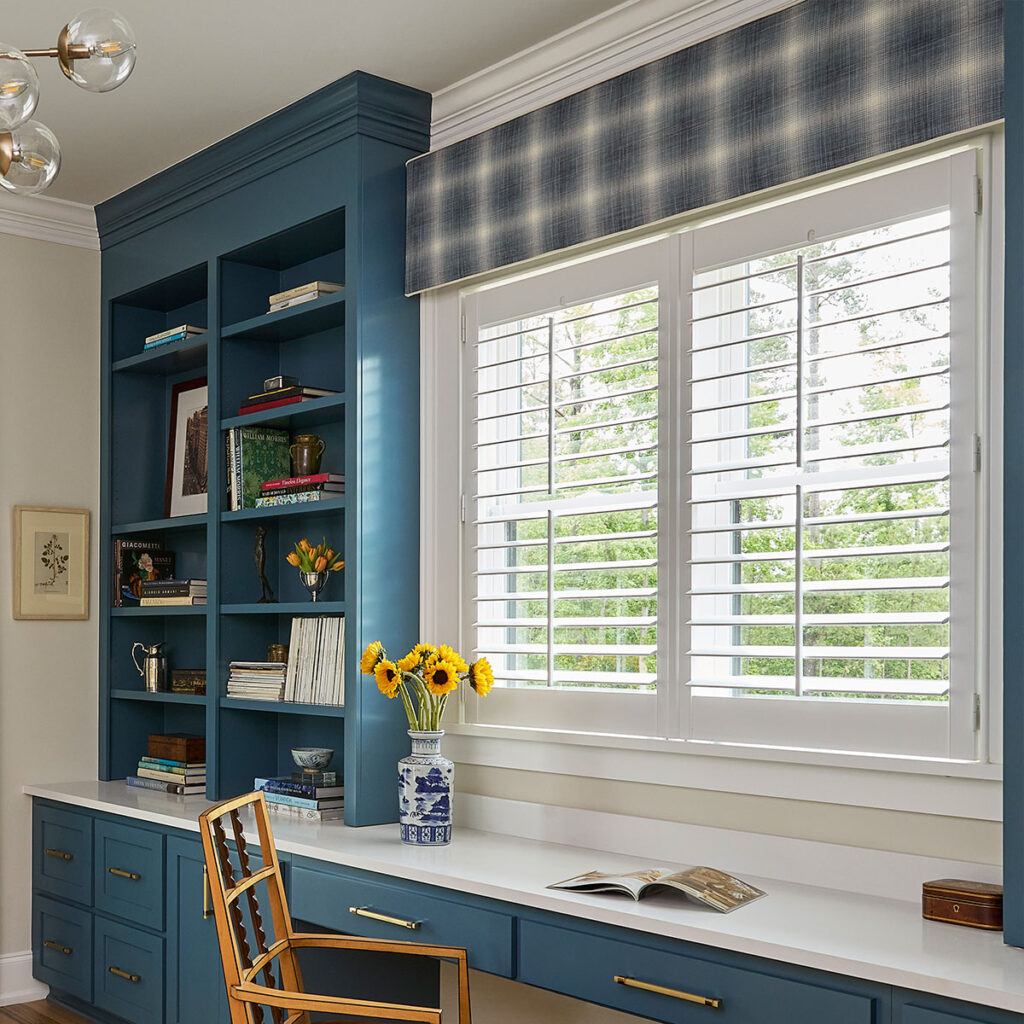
133	978
66	950
673	992
124	874
206	893
386	918
59	854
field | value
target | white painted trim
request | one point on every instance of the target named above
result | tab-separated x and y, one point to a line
927	787
623	38
806	862
49	220
16	982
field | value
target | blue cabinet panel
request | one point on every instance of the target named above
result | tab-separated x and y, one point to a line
195	980
918	1008
129	869
325	895
62	946
128	972
62	853
579	964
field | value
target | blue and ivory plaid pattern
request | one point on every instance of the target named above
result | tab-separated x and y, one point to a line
811	88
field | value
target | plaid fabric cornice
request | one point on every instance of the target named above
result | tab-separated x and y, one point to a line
811	88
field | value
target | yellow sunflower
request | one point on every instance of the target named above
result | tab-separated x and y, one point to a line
481	677
388	677
409	662
441	676
374	652
423	651
452	656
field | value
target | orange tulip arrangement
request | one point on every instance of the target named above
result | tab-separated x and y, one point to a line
321	558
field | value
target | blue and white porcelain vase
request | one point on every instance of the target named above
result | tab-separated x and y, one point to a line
425	780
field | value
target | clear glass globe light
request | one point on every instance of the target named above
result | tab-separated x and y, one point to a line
36	159
19	88
112	51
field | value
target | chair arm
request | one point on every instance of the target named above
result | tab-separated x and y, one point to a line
260	994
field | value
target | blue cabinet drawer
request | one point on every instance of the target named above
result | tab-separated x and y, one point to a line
915	1008
62	946
586	966
326	896
128	972
129	870
62	853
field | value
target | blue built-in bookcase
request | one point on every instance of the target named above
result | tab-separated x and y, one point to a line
313	192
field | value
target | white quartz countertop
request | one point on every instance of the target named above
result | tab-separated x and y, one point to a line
869	937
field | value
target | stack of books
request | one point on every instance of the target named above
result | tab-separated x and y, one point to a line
182	333
316	661
255	454
306	796
174	763
293	394
256	680
159	593
302	293
294	490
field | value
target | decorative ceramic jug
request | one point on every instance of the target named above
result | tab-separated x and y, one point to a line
425	781
306	452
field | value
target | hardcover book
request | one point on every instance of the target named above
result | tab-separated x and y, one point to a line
137	561
707	886
260	453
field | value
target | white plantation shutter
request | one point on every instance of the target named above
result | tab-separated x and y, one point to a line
565	495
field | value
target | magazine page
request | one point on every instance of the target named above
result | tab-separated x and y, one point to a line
711	887
632	883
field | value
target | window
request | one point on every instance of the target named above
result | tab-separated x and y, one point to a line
724	486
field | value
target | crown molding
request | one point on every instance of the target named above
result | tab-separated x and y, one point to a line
49	220
619	40
359	103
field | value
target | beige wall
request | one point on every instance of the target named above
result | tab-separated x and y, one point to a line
49	455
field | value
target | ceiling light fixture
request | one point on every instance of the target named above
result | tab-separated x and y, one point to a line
96	50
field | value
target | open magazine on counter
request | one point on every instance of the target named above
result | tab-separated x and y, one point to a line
704	885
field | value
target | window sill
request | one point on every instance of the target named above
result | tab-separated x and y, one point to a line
922	785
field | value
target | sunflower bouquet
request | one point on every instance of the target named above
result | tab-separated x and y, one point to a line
424	679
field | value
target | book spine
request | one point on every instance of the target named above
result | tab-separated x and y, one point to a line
302	289
172	602
167	341
175	764
295	498
297	789
302	481
181	329
329	489
307	814
245	410
148	771
173	590
154	784
292	801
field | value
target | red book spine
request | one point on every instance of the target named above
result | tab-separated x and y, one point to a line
295	481
245	409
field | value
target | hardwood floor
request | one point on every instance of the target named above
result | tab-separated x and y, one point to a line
40	1012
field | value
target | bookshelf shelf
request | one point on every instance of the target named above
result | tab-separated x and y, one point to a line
283	707
294	322
286	608
313	413
159	698
175	357
308	508
132	611
334	212
158	525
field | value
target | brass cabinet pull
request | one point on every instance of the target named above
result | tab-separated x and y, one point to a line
386	918
673	992
66	950
206	893
133	978
124	874
59	854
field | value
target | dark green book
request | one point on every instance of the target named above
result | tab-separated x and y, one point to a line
263	455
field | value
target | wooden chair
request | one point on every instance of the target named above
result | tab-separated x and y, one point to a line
285	994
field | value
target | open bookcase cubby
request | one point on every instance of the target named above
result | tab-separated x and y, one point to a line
333	211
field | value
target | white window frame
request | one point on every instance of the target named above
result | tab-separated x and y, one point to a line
968	786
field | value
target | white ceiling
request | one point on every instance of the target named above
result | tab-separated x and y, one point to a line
207	68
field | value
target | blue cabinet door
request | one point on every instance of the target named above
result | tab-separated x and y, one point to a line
195	981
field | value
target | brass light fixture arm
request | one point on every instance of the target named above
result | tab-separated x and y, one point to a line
7	154
65	51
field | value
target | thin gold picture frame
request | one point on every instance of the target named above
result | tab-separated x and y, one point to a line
27	520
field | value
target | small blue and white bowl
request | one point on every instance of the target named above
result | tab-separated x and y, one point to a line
312	759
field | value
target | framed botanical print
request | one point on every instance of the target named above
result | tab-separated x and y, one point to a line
185	493
51	563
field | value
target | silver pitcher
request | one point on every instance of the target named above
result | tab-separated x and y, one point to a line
154	666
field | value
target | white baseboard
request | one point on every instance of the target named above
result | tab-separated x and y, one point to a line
829	865
16	982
